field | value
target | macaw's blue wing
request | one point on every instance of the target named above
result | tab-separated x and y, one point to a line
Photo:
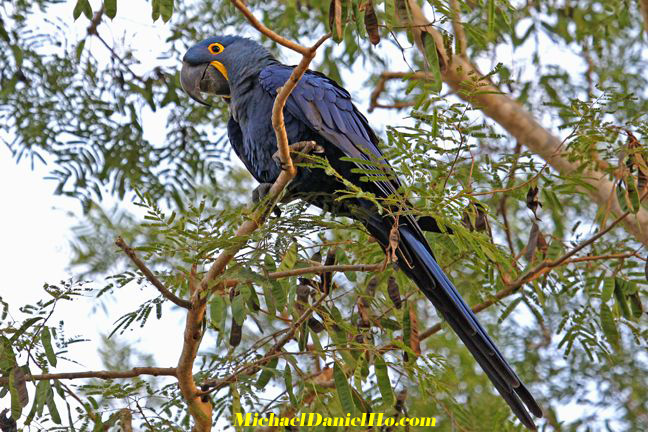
327	109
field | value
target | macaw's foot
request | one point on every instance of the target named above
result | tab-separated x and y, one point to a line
260	192
306	147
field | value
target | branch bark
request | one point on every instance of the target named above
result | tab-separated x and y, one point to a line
106	375
150	276
644	13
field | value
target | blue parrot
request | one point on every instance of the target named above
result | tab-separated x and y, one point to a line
318	110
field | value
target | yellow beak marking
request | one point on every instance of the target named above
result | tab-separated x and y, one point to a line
218	65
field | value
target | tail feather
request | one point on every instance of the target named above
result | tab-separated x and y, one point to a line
436	286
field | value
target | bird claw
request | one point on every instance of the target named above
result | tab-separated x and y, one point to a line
306	147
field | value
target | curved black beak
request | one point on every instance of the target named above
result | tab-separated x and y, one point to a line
204	78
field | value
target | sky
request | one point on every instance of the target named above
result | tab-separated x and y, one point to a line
35	225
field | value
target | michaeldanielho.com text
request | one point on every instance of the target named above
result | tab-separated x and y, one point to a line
315	419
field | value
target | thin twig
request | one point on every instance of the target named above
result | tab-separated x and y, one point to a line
150	276
314	269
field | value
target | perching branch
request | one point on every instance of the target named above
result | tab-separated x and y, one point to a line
150	276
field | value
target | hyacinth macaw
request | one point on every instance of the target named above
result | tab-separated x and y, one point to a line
248	77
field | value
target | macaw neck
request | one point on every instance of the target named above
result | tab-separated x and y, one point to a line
247	76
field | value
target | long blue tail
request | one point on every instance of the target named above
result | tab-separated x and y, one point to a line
433	282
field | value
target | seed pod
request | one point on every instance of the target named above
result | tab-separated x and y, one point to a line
303	291
364	314
236	330
373	283
371	23
328	276
315	325
317	257
394	292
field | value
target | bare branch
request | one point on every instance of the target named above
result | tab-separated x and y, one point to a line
150	276
106	375
315	270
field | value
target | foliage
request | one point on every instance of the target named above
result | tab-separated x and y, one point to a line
575	334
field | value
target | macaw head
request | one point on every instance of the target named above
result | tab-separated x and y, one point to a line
218	63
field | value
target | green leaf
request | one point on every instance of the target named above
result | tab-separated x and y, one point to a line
609	327
491	16
166	9
608	289
217	310
384	384
289	259
343	389
51	406
46	340
238	309
633	193
110	7
635	305
23	328
79	49
619	295
278	294
289	385
267	372
16	405
7	356
432	62
78	9
268	296
42	389
509	309
155	10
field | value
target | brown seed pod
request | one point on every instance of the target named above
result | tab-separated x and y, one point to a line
394	292
315	325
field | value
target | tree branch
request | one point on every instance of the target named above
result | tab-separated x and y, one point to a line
314	269
644	12
150	276
106	375
457	27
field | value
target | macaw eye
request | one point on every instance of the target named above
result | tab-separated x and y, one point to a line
215	48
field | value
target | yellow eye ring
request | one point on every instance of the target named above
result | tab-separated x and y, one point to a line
216	48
